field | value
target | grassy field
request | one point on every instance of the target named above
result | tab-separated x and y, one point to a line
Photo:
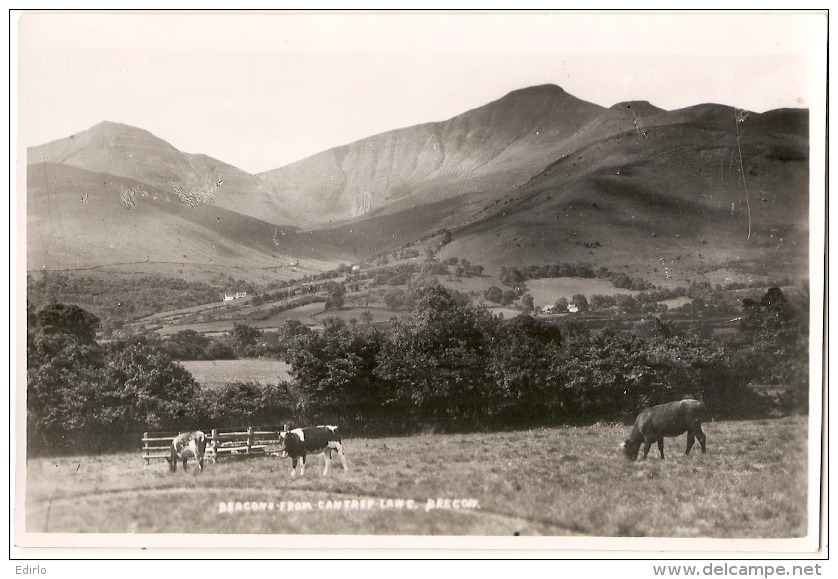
217	373
569	481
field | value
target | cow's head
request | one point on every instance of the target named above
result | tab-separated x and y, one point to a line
282	438
630	449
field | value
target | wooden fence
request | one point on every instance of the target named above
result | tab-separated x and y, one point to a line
221	443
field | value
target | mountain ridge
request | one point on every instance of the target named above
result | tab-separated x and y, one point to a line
537	143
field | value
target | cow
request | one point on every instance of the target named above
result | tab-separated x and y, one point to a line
670	419
299	442
188	445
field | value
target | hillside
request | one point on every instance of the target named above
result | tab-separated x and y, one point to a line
666	201
82	219
132	153
490	148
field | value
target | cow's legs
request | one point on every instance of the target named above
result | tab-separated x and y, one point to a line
303	465
701	439
660	447
293	467
690	441
184	464
646	446
337	448
342	457
327	458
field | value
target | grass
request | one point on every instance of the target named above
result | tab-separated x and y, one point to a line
551	481
217	373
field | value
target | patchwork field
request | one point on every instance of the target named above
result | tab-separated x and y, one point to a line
217	373
569	481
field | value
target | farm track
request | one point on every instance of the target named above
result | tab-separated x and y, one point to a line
542	527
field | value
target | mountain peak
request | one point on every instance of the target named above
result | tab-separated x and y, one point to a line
548	95
540	91
111	127
638	107
540	88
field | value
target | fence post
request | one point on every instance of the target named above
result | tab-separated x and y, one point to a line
145	449
249	438
215	444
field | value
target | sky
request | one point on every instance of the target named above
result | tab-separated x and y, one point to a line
262	90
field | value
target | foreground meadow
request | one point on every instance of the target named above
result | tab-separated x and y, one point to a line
752	483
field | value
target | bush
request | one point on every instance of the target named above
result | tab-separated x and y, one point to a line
245	404
81	395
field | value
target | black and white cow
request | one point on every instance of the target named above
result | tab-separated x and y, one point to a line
299	442
188	445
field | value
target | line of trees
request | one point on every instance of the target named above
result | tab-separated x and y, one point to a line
449	363
516	275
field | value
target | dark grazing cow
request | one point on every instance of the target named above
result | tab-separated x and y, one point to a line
188	445
670	419
300	442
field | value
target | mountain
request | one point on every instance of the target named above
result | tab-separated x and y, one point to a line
492	147
83	219
668	202
135	154
536	176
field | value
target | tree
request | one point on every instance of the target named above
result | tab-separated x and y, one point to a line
187	345
334	369
581	302
771	315
600	302
67	319
494	294
62	383
240	403
508	297
627	304
147	390
511	276
80	391
603	374
336	291
527	304
778	343
437	362
521	351
293	328
244	337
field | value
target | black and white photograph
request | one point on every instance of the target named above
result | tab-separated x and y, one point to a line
482	280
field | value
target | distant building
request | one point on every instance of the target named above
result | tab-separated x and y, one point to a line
572	308
548	309
235	296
